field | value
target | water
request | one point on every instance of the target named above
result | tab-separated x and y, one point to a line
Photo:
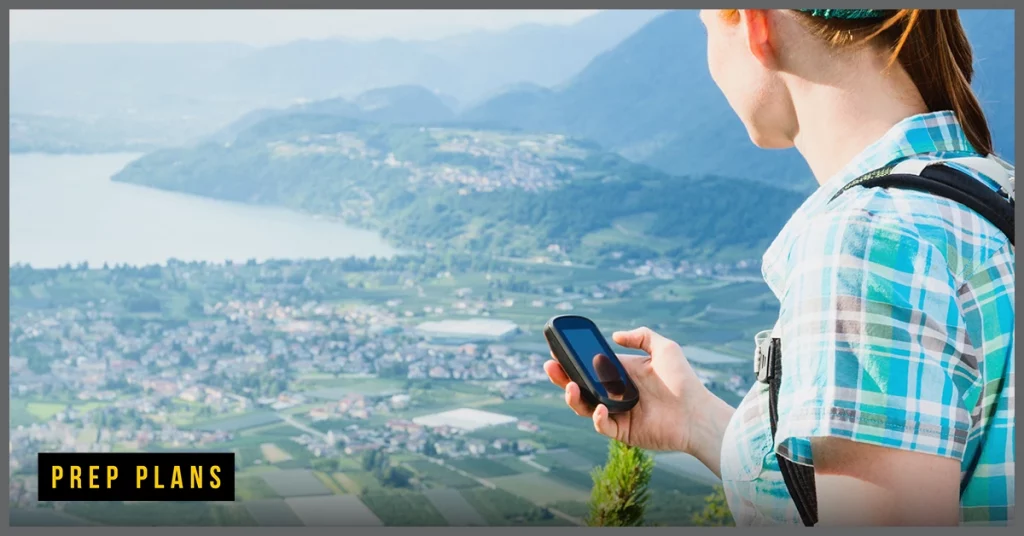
65	209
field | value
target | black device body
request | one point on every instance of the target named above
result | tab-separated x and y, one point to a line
589	361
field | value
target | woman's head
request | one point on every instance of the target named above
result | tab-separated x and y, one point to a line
762	58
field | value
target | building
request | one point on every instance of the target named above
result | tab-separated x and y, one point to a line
468	331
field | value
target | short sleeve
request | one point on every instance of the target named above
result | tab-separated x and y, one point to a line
873	341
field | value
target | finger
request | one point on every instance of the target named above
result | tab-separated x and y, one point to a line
556	374
575	401
639	339
604	423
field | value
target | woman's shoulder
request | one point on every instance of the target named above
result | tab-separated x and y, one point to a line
909	215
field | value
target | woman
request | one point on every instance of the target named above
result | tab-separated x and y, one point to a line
896	305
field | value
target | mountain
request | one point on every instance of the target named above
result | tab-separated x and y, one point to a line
537	54
487	191
403	104
197	88
652	99
409	105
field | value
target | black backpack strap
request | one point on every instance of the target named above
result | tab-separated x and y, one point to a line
799	478
944	181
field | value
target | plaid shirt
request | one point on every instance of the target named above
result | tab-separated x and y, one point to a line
896	322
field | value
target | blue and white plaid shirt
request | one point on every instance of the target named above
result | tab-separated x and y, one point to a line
897	326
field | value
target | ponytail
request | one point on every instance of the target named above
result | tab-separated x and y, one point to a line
932	47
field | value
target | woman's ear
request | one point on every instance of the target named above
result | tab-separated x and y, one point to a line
758	26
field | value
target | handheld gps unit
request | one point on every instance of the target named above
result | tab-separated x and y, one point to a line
589	361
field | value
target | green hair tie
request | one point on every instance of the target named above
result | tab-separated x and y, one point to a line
845	14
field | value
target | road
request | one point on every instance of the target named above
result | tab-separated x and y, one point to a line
309	430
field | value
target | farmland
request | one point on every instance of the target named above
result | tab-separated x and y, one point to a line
403	508
333	511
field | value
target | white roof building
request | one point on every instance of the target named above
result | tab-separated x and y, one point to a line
471	330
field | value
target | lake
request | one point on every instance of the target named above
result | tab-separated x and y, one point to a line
65	209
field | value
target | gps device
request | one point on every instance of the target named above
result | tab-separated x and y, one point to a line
589	361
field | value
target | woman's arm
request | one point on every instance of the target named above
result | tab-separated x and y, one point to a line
707	430
860	484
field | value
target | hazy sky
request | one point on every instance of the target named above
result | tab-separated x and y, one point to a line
263	27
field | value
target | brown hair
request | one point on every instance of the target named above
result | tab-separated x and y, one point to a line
930	44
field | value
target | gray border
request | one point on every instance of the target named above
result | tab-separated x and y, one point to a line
408	4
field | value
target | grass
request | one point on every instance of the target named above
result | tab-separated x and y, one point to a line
403	509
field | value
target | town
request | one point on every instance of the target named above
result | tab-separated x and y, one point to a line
331	360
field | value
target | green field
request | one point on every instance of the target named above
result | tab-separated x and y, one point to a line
20	416
148	514
295	483
26	412
357	482
517	465
44	517
337	388
576	478
501	508
578	509
251	488
673	509
273	513
542	489
403	509
239	422
435	474
484	467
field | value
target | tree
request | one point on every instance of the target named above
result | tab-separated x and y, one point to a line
620	494
716	511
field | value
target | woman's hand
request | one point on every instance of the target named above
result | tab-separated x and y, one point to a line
675	410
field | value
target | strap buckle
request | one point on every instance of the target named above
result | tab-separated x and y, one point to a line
764	359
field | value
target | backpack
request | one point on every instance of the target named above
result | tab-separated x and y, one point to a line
932	177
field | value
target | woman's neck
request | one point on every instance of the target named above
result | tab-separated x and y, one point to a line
838	120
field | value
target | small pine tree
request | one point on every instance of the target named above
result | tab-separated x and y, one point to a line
716	511
619	497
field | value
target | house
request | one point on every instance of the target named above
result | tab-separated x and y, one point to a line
525	426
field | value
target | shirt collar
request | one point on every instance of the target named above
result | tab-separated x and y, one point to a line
930	133
935	133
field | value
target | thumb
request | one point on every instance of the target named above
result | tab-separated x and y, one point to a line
639	339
